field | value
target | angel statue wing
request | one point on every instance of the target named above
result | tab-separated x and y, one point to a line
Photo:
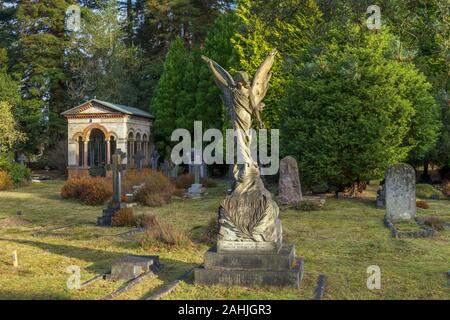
261	81
223	80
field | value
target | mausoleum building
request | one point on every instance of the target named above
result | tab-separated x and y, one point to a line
96	129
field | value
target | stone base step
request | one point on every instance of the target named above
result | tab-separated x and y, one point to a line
251	277
104	221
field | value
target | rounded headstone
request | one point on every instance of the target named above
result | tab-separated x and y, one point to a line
400	191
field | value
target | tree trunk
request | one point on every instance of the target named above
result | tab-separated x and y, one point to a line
130	20
425	175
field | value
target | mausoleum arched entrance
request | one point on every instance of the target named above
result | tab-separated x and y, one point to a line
97	153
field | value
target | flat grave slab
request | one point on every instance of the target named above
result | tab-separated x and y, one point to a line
132	266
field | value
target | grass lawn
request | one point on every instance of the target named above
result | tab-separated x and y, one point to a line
340	242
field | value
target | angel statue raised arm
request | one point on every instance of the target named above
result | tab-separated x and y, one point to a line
244	101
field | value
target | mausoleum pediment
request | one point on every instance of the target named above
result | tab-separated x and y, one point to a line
95	108
103	108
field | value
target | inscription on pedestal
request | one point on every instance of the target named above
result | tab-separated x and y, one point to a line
248	246
247	280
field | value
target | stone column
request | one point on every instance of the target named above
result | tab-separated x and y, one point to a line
149	153
145	153
108	151
72	157
85	154
133	152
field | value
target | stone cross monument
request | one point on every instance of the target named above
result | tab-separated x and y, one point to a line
155	157
196	190
249	249
116	203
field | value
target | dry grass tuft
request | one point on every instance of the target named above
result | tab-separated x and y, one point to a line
90	190
422	204
124	218
184	181
434	222
446	188
163	234
12	222
211	231
308	205
157	190
5	180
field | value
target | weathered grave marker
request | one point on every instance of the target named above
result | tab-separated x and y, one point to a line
22	159
138	157
196	190
289	188
115	204
400	191
381	197
155	157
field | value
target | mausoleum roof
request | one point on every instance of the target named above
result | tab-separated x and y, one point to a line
116	107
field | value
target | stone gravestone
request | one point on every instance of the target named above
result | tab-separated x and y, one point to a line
174	170
289	188
155	157
196	190
203	170
115	204
400	188
192	167
138	157
22	159
381	197
165	168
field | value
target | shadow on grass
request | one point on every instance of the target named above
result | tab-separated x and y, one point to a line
371	203
173	270
101	262
25	294
99	258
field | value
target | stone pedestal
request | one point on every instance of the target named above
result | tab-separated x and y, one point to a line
251	268
196	191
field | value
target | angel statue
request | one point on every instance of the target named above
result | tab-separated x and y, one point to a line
244	101
248	215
